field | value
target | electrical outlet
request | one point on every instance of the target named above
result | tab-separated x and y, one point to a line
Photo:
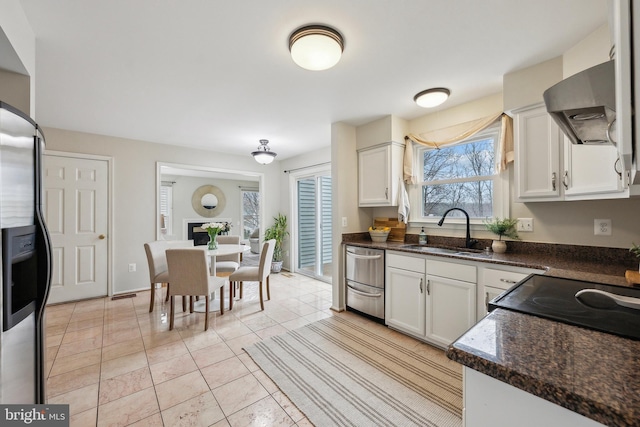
525	224
602	227
344	221
132	267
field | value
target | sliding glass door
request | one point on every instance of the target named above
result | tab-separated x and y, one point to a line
313	226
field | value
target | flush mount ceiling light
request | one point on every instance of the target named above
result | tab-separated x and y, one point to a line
432	97
263	154
316	47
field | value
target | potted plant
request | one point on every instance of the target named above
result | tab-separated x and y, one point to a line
278	231
635	249
502	227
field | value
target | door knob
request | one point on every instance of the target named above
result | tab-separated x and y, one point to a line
101	237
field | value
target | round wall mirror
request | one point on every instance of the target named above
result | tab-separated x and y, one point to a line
208	201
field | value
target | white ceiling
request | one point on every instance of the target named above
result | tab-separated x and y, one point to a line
217	74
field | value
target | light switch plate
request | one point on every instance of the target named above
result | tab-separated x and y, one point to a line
525	224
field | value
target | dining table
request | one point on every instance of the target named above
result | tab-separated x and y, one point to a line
215	299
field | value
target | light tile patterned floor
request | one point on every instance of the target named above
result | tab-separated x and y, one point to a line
116	364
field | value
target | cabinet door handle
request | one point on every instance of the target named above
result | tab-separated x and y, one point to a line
486	300
565	180
428	287
420	285
553	181
386	192
508	281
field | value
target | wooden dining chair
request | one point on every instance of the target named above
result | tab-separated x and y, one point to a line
227	264
258	274
157	261
189	276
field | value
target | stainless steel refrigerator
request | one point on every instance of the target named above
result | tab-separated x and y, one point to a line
25	270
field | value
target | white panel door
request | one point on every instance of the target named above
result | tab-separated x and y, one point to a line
75	208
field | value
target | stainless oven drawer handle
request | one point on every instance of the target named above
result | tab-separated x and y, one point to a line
364	294
508	281
356	256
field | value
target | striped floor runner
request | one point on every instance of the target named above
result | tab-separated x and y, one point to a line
344	372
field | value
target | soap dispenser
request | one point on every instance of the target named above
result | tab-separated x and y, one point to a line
422	239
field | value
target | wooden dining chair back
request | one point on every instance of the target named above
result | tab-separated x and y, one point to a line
157	261
227	264
258	273
189	276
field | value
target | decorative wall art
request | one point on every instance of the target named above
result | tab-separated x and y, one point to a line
208	201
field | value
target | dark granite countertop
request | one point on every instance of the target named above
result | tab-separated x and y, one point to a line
594	264
592	373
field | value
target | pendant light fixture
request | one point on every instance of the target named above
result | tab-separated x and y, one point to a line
432	97
263	154
316	47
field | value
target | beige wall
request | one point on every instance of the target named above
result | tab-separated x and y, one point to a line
134	190
593	50
344	174
15	90
525	87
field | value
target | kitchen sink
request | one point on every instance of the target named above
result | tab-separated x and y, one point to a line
481	254
433	249
449	251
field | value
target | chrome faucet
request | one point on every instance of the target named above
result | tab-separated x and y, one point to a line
468	242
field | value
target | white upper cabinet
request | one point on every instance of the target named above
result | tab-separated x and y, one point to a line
591	171
537	155
379	174
549	168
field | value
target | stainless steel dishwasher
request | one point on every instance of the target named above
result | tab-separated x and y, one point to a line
364	275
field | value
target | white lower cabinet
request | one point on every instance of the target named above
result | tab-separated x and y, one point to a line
436	307
451	310
451	300
404	293
495	280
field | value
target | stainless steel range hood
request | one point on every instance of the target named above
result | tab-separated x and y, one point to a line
584	104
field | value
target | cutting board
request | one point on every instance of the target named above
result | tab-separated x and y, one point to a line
398	229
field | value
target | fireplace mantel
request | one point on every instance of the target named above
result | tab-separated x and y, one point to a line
192	231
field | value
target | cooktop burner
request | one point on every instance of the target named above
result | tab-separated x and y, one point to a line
554	298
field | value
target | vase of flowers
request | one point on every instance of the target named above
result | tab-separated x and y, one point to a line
213	229
502	227
635	249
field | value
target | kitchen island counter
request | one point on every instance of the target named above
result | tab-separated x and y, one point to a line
592	373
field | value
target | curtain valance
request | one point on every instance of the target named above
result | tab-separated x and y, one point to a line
455	134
